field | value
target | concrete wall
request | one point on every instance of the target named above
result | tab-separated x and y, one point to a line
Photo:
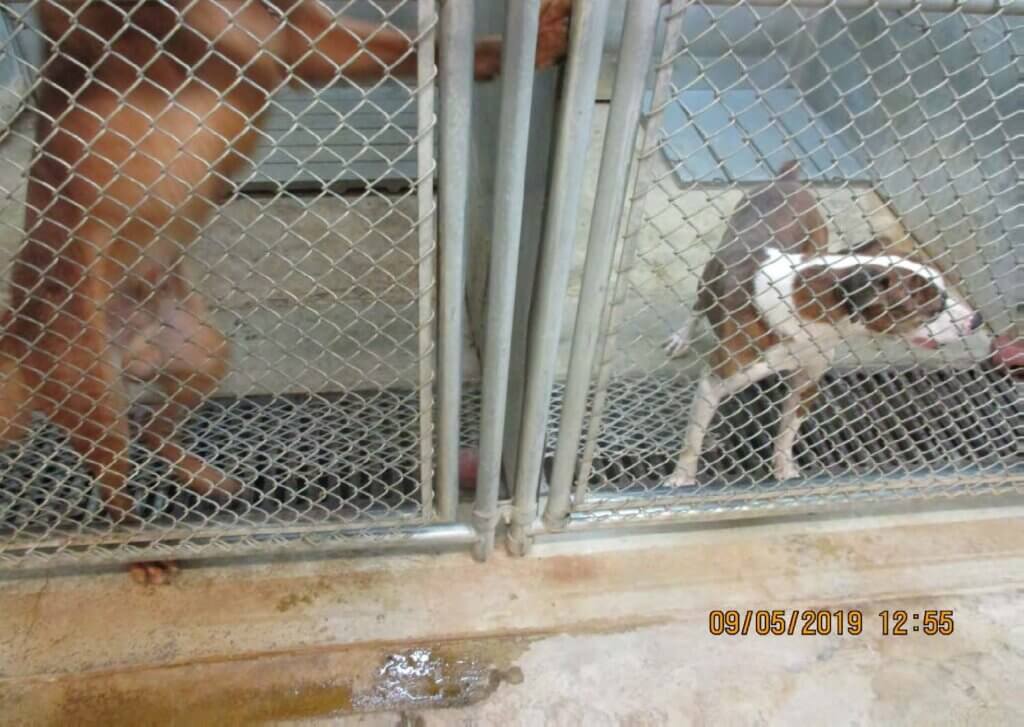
14	80
932	101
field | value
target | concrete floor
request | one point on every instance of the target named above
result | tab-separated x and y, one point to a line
601	631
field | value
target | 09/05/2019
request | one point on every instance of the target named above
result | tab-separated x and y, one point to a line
824	622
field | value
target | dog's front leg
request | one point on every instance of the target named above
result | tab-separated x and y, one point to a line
795	410
706	399
91	407
783	461
710	392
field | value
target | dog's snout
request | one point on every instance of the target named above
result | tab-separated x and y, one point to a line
976	321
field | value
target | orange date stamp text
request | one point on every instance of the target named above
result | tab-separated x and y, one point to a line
827	622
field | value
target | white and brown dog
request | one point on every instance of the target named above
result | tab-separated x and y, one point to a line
778	302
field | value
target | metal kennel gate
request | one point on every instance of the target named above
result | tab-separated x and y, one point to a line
906	120
336	272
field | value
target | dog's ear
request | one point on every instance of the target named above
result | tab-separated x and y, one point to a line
859	288
877	246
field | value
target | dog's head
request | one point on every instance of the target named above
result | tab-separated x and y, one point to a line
904	296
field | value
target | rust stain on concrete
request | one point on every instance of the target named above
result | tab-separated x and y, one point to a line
273	688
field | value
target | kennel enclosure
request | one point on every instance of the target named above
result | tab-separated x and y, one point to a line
326	272
447	300
905	121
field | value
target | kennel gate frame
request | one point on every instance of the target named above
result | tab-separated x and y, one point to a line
446	25
559	514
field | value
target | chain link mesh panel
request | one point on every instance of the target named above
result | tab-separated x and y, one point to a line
903	125
319	275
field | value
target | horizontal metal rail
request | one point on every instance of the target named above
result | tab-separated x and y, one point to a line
242	541
652	508
979	7
1010	7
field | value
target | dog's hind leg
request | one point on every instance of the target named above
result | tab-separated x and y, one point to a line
95	421
83	390
69	366
195	361
795	410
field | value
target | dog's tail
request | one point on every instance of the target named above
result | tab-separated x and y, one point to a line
678	344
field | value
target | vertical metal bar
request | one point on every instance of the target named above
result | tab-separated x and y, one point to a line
644	179
425	124
619	144
456	82
542	131
518	56
586	44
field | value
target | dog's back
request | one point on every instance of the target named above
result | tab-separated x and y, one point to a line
783	215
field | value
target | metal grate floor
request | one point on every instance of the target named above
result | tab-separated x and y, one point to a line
354	458
877	424
301	459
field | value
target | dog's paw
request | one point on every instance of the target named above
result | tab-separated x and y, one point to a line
681	478
553	32
205	479
154	572
786	470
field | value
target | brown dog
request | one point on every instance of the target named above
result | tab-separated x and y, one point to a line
146	110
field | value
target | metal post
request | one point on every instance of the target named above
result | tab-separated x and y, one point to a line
543	122
574	126
426	122
518	56
619	143
634	219
456	85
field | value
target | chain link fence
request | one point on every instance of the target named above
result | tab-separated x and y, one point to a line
286	218
307	244
905	127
